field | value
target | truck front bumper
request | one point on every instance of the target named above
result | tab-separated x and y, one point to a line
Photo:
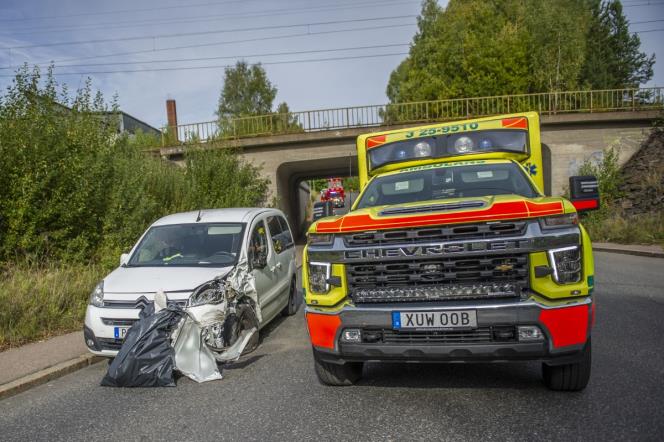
565	329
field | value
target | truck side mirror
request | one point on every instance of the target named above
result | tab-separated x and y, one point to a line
124	259
584	192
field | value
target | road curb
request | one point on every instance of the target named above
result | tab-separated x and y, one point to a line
647	253
48	374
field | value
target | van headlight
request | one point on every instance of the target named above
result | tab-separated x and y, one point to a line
97	295
319	273
566	264
208	293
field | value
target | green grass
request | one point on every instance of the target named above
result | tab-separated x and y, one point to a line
616	227
42	301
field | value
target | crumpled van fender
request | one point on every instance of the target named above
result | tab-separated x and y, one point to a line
194	356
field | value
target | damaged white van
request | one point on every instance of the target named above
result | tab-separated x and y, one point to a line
247	254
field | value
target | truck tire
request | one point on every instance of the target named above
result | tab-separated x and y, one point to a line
569	377
337	374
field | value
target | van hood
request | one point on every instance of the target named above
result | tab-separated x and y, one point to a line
441	212
152	279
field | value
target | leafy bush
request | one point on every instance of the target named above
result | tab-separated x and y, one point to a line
608	175
76	190
609	223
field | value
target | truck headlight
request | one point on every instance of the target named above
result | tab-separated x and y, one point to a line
320	239
559	221
207	294
319	273
566	264
97	295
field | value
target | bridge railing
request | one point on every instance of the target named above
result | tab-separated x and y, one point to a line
548	103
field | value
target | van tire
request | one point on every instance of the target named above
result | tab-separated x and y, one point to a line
337	374
291	307
569	377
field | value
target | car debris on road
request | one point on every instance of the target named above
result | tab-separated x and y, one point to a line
218	326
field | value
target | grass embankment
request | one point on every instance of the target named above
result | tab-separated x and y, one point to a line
42	301
646	228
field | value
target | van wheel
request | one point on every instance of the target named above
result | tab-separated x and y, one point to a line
291	307
337	374
569	377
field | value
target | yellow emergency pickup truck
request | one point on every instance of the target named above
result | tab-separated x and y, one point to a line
452	253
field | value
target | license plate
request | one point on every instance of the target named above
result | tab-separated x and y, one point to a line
434	320
120	332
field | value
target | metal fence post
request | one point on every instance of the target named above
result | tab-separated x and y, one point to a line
633	99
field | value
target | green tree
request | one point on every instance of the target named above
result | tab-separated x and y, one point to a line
284	121
613	59
475	48
246	92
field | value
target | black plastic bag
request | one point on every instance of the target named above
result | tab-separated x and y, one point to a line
146	358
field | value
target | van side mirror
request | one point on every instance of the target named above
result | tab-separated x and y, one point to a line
584	192
124	259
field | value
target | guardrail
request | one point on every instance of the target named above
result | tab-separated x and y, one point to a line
548	103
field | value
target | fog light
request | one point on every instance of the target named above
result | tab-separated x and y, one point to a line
351	335
530	333
90	343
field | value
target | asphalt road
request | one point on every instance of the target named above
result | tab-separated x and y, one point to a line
273	394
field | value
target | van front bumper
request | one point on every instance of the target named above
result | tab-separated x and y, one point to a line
565	328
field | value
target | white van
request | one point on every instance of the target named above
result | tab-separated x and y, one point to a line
181	252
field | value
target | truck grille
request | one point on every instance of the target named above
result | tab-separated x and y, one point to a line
468	277
479	335
438	233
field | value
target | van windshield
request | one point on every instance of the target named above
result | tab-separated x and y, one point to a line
191	245
445	181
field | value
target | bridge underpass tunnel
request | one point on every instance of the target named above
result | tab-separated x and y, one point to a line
299	183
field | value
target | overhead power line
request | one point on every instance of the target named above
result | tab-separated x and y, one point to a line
198	33
122	11
646	21
265	54
644	4
649	30
189	68
208	18
222	43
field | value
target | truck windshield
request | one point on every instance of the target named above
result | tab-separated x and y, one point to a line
190	245
445	181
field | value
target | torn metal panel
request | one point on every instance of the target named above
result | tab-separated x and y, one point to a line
222	323
192	357
243	282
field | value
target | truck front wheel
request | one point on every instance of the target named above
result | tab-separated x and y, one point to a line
569	377
337	374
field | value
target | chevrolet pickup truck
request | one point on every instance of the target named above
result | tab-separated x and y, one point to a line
452	253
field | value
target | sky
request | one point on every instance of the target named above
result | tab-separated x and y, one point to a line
352	47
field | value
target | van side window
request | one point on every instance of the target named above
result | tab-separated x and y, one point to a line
257	252
288	238
279	233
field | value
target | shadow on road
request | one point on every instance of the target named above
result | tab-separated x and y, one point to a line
519	376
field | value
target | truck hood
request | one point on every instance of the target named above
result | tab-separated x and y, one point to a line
152	279
452	211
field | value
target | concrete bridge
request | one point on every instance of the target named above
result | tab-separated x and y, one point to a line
569	137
